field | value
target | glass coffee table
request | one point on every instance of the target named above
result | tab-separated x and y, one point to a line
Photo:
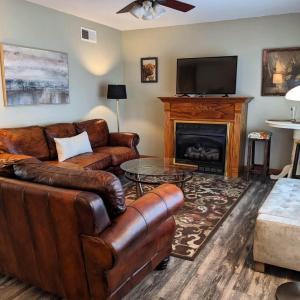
155	171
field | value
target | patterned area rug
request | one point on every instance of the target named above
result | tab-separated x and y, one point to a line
208	201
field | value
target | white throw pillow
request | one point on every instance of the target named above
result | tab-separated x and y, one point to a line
72	146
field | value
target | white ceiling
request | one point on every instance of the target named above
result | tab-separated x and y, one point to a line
104	11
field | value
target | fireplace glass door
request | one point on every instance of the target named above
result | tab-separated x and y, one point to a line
203	145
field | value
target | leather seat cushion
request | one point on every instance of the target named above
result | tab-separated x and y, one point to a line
97	131
62	130
91	161
26	141
118	154
63	164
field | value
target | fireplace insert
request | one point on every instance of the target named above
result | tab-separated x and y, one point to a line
203	145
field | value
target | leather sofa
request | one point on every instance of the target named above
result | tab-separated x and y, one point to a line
109	149
72	233
277	229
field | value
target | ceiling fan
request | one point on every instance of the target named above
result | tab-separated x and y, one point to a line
153	9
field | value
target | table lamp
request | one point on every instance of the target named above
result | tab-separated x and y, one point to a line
117	92
293	95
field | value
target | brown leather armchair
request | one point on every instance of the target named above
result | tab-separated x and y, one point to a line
65	240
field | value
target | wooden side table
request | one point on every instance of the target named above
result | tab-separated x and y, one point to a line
295	126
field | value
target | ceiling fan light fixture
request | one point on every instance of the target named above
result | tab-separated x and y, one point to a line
158	10
138	11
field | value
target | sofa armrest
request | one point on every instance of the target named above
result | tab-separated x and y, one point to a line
6	163
141	218
9	158
125	139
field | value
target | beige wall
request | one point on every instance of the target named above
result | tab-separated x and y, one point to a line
245	38
91	66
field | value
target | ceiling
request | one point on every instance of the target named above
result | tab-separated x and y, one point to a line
104	11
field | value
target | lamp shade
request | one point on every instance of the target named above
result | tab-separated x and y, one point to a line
293	94
277	78
116	91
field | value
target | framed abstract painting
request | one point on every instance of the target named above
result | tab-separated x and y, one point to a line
281	71
34	76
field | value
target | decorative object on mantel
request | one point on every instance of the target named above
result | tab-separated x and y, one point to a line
208	201
117	92
153	9
281	71
34	76
229	111
252	168
287	170
149	69
293	95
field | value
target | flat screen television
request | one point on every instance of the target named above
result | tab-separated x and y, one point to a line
207	75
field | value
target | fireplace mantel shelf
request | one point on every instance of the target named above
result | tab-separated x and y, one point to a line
211	110
234	99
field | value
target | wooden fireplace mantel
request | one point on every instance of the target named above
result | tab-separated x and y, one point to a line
211	110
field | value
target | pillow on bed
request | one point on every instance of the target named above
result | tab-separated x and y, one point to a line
72	146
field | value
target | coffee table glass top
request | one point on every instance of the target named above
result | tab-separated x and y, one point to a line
154	167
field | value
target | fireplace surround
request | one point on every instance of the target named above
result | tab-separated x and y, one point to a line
231	111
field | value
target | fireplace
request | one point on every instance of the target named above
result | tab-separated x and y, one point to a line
201	144
211	110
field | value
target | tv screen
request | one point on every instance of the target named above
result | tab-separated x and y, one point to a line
207	75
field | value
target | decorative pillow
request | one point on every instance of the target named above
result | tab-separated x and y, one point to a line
70	147
104	184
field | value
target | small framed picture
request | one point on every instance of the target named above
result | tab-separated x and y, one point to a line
296	164
149	69
281	70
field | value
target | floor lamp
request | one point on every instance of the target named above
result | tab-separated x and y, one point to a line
117	92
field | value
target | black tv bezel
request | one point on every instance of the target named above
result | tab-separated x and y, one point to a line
200	58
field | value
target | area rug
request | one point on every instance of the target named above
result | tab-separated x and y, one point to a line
208	201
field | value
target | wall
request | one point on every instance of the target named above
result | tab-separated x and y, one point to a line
245	38
91	66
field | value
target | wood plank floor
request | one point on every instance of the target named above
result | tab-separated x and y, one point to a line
222	270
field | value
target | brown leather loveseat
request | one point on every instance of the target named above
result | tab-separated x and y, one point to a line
72	233
110	149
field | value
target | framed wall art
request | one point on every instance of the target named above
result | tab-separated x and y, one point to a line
149	69
34	76
281	71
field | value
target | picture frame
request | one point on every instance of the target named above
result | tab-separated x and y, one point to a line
280	70
149	69
33	76
296	163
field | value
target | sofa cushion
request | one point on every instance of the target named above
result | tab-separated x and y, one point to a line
26	141
61	130
118	154
72	146
97	131
91	161
104	184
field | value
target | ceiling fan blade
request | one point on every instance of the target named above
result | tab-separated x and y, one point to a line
178	5
128	7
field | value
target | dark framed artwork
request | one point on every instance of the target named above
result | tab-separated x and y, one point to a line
33	76
281	71
296	164
149	69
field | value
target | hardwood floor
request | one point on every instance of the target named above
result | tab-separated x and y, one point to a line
222	270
